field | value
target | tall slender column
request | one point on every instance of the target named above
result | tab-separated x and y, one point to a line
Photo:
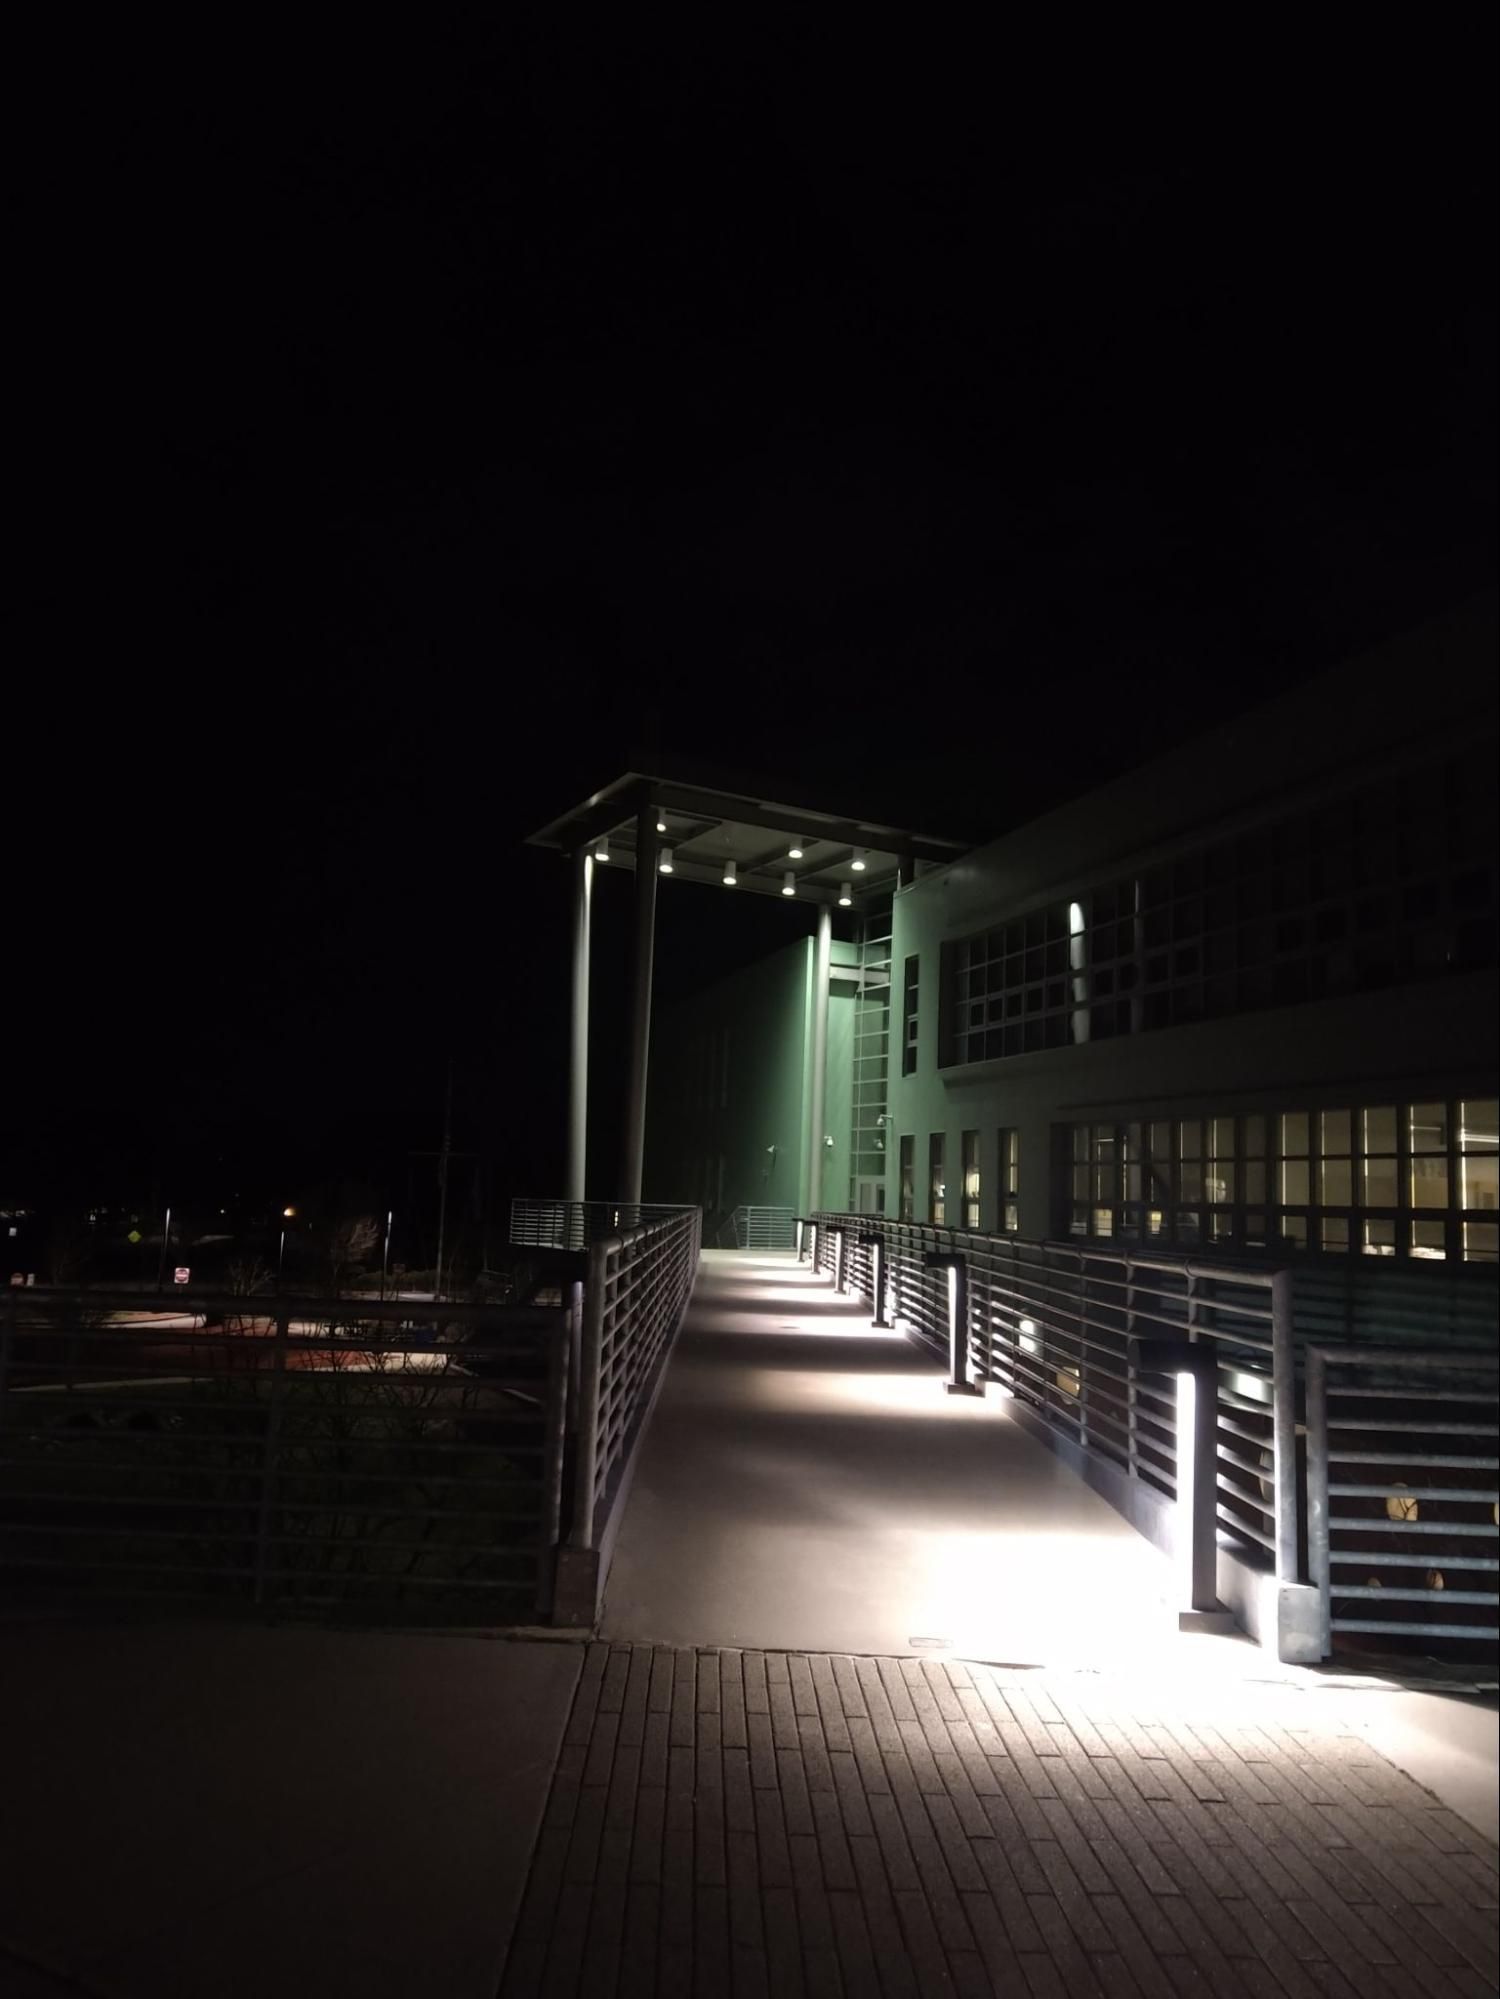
633	1150
818	1065
578	1052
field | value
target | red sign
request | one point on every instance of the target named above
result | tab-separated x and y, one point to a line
181	1274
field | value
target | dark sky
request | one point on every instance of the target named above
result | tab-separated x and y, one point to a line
407	427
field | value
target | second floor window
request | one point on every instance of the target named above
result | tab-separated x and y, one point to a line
907	1203
1010	1179
971	1179
937	1185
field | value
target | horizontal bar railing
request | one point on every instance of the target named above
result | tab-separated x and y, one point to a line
750	1227
575	1224
1051	1323
336	1454
295	1453
1403	1491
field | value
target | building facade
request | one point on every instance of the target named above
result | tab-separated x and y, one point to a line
1243	999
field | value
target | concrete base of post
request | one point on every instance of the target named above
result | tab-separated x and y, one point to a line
963	1388
1299	1624
575	1588
1218	1623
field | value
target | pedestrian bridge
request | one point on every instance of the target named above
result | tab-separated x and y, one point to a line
807	1485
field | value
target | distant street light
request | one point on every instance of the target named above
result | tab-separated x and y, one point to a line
385	1252
286	1215
166	1237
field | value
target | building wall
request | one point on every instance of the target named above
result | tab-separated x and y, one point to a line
1367	722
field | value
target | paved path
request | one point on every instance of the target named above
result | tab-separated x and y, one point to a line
807	1484
726	1822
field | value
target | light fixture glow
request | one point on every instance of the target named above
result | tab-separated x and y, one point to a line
788	883
661	823
845	898
601	847
730	876
858	863
664	865
794	851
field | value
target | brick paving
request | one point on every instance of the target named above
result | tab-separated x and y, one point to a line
748	1823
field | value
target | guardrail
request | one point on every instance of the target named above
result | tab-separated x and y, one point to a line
635	1295
335	1455
296	1453
1403	1493
575	1224
751	1227
1051	1323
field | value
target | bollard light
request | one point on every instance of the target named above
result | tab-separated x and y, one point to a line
1194	1367
957	1267
875	1244
839	1243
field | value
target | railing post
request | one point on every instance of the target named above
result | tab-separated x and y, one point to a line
840	1240
875	1244
266	1509
1319	1555
555	1437
1284	1421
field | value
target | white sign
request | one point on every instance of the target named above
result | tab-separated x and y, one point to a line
181	1274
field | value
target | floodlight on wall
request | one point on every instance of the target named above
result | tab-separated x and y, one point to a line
788	883
794	851
845	898
858	863
731	878
664	865
601	847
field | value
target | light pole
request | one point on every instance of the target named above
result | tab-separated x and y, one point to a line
385	1251
166	1237
286	1216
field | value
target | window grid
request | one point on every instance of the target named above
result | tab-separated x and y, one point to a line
1378	1180
1393	884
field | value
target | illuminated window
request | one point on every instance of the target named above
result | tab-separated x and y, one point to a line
971	1179
1325	901
1010	1179
908	1190
1479	1178
937	1188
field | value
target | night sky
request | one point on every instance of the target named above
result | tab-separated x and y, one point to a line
407	429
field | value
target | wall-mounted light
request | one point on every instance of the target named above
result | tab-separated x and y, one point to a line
788	883
794	851
664	865
845	898
858	863
601	847
731	877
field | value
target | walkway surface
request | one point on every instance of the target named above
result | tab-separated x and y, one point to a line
756	1823
806	1484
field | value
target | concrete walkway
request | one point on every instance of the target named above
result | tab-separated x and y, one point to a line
807	1485
252	1813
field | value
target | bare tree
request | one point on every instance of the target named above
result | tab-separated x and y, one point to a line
350	1242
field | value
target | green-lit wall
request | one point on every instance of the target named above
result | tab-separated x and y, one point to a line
728	1083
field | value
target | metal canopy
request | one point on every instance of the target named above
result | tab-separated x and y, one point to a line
707	826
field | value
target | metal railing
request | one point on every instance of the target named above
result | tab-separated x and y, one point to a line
316	1454
749	1227
576	1224
635	1295
290	1452
1403	1493
1051	1323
